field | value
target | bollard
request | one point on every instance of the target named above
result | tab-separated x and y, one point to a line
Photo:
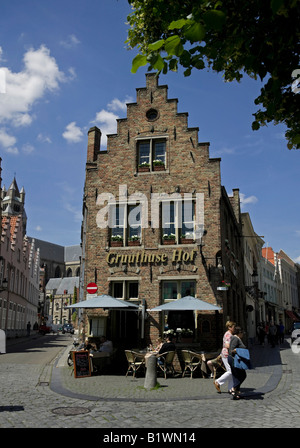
151	373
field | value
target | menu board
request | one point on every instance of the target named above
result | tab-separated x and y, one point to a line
82	365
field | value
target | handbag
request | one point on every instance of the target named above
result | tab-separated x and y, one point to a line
242	359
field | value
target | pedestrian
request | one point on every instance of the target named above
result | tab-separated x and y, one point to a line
272	334
238	375
261	334
28	328
227	376
281	332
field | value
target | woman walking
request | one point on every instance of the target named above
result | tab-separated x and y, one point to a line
227	376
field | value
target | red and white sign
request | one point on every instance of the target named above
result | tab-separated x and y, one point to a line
92	288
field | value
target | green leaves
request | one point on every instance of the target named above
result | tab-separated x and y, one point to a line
257	38
138	61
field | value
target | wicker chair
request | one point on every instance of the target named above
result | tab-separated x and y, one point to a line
136	361
167	363
192	361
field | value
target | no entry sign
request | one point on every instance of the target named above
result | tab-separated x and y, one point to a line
92	288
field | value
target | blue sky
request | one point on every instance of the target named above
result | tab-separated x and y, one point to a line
67	68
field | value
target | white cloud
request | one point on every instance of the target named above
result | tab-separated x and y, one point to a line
297	260
73	133
70	42
247	200
106	119
27	148
23	89
43	138
38	228
8	142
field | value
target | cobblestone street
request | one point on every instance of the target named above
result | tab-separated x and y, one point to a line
27	401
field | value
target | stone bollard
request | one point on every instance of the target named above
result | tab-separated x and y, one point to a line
151	373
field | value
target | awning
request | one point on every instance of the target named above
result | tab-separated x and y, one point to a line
106	302
187	303
291	315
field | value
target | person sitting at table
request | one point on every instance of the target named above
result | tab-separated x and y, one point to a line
106	346
167	346
158	345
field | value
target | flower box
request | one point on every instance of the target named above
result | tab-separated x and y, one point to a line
134	243
159	168
169	242
186	240
186	340
116	243
143	169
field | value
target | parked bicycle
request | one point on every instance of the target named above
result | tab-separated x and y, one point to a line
70	355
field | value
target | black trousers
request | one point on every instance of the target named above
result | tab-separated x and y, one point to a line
239	374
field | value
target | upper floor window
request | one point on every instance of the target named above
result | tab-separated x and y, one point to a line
178	222
126	227
151	154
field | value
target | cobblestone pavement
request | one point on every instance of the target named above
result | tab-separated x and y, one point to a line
35	396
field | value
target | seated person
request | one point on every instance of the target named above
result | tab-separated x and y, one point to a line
167	346
106	347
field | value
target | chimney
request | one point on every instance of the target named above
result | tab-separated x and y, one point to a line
93	149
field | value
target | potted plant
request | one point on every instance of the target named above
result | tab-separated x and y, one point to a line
116	241
144	167
158	165
169	238
187	239
187	335
134	240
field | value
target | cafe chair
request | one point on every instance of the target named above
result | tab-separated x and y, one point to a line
219	367
192	361
165	363
136	361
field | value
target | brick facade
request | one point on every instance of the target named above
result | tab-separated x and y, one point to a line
154	265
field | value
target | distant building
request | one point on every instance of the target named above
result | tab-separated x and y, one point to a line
19	266
60	293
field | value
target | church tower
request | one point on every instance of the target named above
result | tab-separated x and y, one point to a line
13	202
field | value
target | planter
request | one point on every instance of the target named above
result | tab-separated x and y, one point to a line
169	242
186	241
159	168
134	243
186	340
143	169
116	243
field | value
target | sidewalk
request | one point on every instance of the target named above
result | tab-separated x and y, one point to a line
262	379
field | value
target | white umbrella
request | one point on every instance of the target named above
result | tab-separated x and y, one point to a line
187	303
104	301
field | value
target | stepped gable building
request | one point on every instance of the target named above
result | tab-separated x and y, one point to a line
158	226
19	266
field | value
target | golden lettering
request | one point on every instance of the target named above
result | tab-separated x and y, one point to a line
178	256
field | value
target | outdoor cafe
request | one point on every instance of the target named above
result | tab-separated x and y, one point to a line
184	359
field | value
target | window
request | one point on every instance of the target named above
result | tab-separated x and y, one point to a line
178	221
125	289
172	290
152	153
126	223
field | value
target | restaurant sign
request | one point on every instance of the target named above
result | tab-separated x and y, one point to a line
178	256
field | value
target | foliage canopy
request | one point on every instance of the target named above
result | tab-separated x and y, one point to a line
233	37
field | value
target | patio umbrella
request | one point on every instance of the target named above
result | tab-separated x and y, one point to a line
104	301
186	303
